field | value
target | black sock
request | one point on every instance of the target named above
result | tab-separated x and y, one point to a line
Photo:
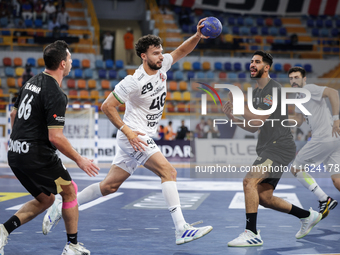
298	212
12	224
251	222
72	238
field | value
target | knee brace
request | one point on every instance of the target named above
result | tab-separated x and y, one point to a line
67	205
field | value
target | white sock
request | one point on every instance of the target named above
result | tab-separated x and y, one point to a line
171	197
309	182
90	193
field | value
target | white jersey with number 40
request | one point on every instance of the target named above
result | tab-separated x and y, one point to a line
144	97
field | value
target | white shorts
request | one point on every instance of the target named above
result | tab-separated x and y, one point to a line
314	153
129	159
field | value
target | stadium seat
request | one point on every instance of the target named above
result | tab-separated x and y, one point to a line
170	75
28	23
71	84
315	32
268	22
264	31
107	93
218	66
20	82
109	64
328	23
337	22
270	39
88	73
200	75
283	31
183	85
75	63
11	82
286	67
298	64
319	23
191	75
186	96
278	67
240	21
236	31
287	85
248	21
206	65
222	75
170	107
334	32
187	66
185	28
246	85
273	75
19	71
232	75
113	84
273	31
253	31
196	66
99	64
84	94
119	64
324	32
260	22
227	66
92	84
175	66
193	29
225	30
335	50
94	94
310	23
177	96
237	67
41	62
181	107
31	61
3	21
38	23
17	62
121	74
178	75
102	73
327	49
9	71
210	75
7	61
277	22
242	75
105	84
244	31
247	66
254	47
81	84
112	74
130	71
85	63
282	76
78	73
173	85
231	21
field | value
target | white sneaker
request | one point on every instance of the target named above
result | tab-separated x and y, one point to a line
3	236
308	223
52	216
247	238
75	249
190	233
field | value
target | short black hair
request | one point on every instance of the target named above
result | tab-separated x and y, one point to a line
54	53
297	69
266	57
145	42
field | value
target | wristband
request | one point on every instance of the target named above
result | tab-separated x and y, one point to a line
121	127
335	117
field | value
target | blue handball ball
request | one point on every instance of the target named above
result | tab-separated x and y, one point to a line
212	27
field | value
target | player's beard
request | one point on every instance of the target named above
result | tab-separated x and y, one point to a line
258	75
153	66
297	85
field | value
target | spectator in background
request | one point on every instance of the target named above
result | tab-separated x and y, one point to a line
161	132
107	46
50	10
169	134
53	25
200	128
128	44
63	19
16	8
27	74
26	8
210	131
182	132
38	11
184	16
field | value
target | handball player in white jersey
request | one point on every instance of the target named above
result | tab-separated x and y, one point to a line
144	95
324	147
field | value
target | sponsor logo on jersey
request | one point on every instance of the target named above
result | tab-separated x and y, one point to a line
154	116
157	90
140	77
152	124
268	100
18	147
32	88
162	76
59	118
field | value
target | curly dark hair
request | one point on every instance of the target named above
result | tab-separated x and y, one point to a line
297	69
145	42
266	57
54	53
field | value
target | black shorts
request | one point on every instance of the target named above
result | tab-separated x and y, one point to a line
45	177
278	159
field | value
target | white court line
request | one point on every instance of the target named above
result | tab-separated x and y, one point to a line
99	200
285	226
124	228
336	226
16	233
151	228
95	230
232	226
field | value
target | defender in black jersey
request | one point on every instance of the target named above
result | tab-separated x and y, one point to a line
37	131
275	149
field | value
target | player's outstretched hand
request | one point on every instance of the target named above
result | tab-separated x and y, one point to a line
199	27
88	166
336	128
227	109
136	142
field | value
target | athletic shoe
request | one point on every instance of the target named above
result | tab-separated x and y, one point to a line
3	236
308	223
327	205
247	238
190	233
52	216
75	249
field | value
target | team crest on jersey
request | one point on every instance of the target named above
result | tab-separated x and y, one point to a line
268	100
58	118
162	76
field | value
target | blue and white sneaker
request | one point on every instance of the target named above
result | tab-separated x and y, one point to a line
246	239
3	237
52	216
190	233
308	223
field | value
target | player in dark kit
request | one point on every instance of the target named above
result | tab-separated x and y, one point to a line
37	122
275	149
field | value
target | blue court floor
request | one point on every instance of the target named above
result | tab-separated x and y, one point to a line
135	220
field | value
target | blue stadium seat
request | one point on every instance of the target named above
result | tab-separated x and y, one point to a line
75	63
178	75
327	49
247	66
3	22
334	32
337	23
319	23
6	32
109	64
175	66
310	23
88	73
34	70
273	75
121	74
308	68
218	66
283	31
38	23
315	32
240	21
282	76
329	23
113	84
273	31
232	75
236	31
231	21
253	30
191	75
242	75
99	63
193	29
210	75
31	61
200	75
324	32
254	47
277	22
78	73
225	30
9	71
264	30
298	64
28	23
185	28
248	21
170	75
119	64
112	74
102	74
335	50
196	66
244	31
260	22
278	67
227	66
237	67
